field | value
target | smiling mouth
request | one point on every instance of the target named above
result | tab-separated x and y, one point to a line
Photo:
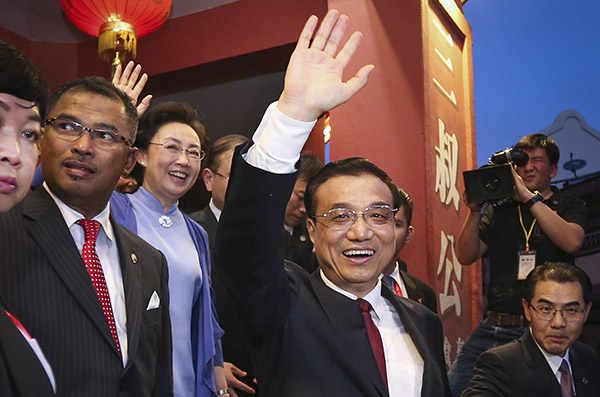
365	253
177	174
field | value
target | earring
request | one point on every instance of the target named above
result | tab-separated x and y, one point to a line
143	163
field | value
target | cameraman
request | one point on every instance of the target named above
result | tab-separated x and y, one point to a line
541	224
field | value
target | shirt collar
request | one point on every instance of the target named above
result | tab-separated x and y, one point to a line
150	201
373	297
216	212
553	360
71	216
396	273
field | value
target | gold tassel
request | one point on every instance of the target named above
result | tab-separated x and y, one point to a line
117	39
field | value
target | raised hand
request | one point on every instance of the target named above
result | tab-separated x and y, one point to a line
127	81
313	80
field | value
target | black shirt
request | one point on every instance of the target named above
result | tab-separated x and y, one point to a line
501	230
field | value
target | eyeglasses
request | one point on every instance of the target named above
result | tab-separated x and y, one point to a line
221	175
547	312
343	218
175	150
71	131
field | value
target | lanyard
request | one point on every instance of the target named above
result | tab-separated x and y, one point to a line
527	234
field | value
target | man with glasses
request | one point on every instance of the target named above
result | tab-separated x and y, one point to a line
541	224
93	293
547	360
337	331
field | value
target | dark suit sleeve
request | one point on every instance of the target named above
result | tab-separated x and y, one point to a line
164	363
489	377
247	249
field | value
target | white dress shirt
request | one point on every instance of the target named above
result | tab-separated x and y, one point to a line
272	153
216	212
397	278
108	252
554	361
404	365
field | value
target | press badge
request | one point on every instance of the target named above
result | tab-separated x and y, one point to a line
526	263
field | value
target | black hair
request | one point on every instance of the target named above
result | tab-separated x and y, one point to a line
354	166
159	115
561	273
310	165
542	141
100	86
20	78
405	202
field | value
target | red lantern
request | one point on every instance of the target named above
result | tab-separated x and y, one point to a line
117	23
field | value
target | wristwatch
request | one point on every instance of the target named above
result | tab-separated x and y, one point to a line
538	197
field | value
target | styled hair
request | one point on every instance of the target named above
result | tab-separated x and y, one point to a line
221	147
559	272
534	141
159	115
310	165
354	166
20	78
405	202
99	86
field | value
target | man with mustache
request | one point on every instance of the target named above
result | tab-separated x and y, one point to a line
94	294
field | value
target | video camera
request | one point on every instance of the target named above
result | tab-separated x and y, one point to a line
494	182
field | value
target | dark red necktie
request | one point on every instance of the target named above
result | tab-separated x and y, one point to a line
565	380
94	268
389	280
374	337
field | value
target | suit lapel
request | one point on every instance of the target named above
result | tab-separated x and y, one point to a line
581	374
411	288
416	334
544	381
345	318
47	227
132	279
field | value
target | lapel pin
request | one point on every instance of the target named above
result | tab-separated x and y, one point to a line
584	380
133	258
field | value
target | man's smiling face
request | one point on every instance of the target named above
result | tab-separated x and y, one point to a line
354	258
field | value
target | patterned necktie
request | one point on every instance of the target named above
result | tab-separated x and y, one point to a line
566	384
374	337
389	280
92	264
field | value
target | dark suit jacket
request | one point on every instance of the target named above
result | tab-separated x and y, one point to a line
519	369
21	373
44	283
419	291
307	339
299	249
234	342
207	220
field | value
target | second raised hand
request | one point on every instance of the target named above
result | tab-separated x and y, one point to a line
127	81
313	81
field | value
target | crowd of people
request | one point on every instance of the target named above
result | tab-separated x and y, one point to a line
288	283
